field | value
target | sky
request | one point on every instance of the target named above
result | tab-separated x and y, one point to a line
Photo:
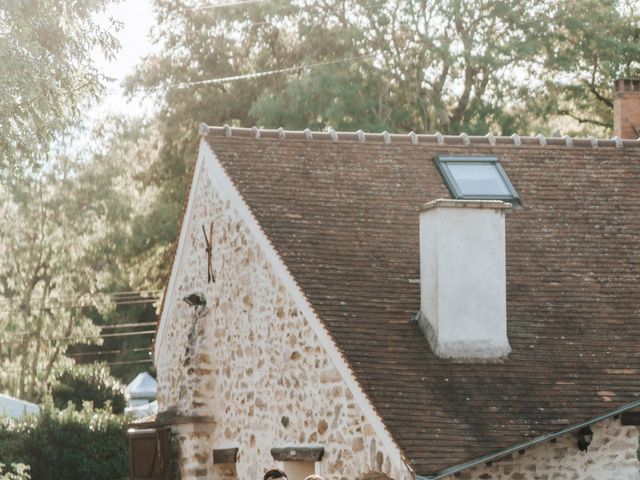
137	18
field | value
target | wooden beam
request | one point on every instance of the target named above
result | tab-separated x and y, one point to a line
224	455
297	454
630	418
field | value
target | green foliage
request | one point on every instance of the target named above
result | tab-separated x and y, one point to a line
134	249
67	444
59	231
504	66
88	383
47	74
15	471
328	97
134	149
585	47
402	65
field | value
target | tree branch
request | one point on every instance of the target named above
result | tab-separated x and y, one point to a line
583	120
592	88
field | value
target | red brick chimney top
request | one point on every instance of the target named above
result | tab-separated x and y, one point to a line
626	108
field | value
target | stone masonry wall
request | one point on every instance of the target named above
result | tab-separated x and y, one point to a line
612	455
251	360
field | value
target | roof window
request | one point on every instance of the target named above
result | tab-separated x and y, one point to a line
476	178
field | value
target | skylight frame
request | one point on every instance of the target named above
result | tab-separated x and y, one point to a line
442	161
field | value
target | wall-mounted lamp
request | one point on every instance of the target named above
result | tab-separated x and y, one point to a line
195	300
585	436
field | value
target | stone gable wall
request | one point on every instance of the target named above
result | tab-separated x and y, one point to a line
251	360
612	455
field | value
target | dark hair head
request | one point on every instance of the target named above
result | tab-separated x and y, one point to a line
274	473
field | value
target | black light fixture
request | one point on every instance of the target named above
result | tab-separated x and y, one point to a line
195	300
585	436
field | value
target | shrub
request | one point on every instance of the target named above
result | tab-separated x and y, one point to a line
15	471
67	444
88	383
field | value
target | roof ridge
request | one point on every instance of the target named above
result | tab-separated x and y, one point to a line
415	138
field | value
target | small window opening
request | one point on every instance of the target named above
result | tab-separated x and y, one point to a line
476	178
297	470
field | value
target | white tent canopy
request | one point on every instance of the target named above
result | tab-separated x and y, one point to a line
143	387
14	407
143	410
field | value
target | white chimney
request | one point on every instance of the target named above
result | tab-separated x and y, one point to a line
463	278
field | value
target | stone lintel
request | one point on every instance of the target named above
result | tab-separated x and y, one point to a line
297	454
170	418
224	455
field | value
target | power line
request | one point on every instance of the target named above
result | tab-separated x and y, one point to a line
134	302
224	5
120	325
115	296
135	295
127	325
130	292
141	293
88	337
69	305
126	334
249	76
119	298
146	360
106	352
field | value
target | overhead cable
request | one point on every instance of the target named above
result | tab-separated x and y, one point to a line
146	360
106	352
86	337
128	325
213	6
249	76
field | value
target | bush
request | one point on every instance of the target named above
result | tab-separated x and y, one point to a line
67	444
88	383
15	471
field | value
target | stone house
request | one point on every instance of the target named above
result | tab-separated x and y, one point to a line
422	306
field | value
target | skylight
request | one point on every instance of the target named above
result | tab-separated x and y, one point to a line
476	178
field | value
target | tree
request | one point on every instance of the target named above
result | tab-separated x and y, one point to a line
450	66
58	232
473	66
401	65
46	50
422	66
125	150
586	47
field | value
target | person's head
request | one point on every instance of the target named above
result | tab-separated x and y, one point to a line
274	474
313	477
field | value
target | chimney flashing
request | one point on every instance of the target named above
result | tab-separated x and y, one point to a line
450	203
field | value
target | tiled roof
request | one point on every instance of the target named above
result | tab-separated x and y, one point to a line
342	212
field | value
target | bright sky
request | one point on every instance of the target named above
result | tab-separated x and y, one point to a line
137	19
